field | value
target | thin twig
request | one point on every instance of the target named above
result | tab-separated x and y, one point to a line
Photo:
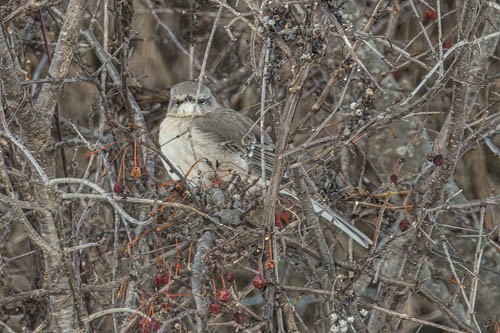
477	264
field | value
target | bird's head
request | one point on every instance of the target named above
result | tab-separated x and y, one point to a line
183	101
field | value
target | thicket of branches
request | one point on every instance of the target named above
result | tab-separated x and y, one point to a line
385	110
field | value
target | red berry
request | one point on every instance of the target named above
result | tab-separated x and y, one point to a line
178	266
144	324
229	276
117	188
396	75
224	295
239	318
161	280
447	43
394	178
149	325
404	225
259	281
430	14
215	307
154	325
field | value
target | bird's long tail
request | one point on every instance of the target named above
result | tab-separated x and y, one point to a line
331	216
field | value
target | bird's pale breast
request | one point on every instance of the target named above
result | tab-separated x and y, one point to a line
193	151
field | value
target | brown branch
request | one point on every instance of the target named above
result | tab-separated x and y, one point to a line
294	94
289	312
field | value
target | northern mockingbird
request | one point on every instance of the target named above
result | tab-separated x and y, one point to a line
204	140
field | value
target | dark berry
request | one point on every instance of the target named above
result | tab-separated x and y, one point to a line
447	43
438	160
259	281
239	318
404	225
178	266
161	280
224	295
154	325
229	276
215	307
396	75
118	189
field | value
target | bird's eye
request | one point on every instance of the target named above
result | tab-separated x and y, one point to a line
201	100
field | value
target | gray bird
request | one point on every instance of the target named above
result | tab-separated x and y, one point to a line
204	140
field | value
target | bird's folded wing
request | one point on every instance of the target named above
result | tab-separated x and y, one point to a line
236	133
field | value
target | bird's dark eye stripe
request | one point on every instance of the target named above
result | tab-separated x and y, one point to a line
201	100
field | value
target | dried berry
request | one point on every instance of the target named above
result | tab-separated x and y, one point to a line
259	281
224	295
429	16
149	325
438	160
394	179
144	324
161	280
404	225
269	264
229	276
215	307
178	266
154	325
239	318
396	75
447	43
135	172
117	188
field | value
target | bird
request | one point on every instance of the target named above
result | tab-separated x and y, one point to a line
203	140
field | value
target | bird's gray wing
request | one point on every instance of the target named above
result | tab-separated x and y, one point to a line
236	133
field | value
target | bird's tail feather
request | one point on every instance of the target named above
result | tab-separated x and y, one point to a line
331	216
